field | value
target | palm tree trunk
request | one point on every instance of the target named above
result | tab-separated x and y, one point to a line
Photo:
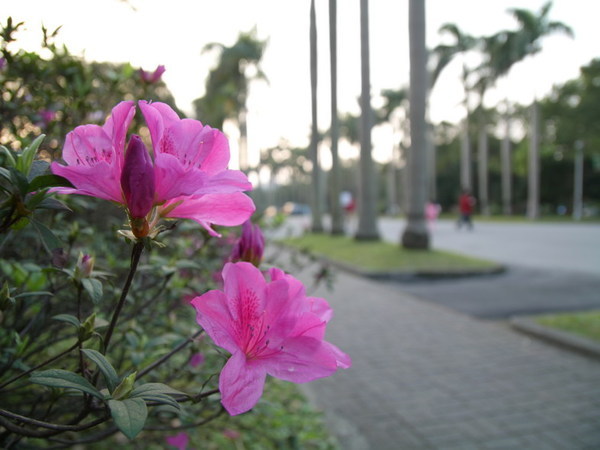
367	194
483	170
465	156
506	167
431	164
337	219
415	235
533	201
578	182
317	223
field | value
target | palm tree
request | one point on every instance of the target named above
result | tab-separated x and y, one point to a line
415	235
337	223
444	54
394	100
227	85
317	224
367	195
505	49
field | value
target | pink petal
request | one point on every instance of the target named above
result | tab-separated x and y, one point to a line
215	150
343	360
117	124
174	180
319	307
244	286
158	117
98	181
296	289
87	145
302	359
241	384
220	209
213	315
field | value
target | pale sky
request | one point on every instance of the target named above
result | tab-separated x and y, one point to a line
174	32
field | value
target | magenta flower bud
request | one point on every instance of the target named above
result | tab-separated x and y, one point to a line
84	266
251	246
2	64
137	179
152	77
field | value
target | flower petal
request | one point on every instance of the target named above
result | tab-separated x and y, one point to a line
212	314
244	286
302	359
343	360
220	209
117	124
97	181
158	117
241	384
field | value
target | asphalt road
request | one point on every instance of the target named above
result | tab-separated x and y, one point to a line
551	267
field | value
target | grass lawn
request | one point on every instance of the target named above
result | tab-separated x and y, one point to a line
586	324
377	256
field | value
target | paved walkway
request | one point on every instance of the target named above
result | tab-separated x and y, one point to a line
425	377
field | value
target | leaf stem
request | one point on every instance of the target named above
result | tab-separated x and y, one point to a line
136	252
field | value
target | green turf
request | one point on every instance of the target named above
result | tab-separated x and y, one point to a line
586	324
383	256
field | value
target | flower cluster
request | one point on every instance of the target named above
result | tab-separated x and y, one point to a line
187	178
269	327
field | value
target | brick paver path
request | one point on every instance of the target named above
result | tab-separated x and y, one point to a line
424	377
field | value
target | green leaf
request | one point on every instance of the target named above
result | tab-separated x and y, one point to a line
52	203
59	378
10	159
34	200
163	399
129	415
93	287
155	388
49	239
20	181
69	319
39	167
124	389
27	155
48	180
110	375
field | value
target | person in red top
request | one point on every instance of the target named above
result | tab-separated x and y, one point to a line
466	204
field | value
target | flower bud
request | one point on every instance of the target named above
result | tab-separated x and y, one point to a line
137	179
152	77
251	246
84	266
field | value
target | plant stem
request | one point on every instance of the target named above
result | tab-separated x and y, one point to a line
54	358
136	252
164	358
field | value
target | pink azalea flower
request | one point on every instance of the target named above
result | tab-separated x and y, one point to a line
251	245
47	116
188	177
231	434
196	359
180	440
152	77
269	327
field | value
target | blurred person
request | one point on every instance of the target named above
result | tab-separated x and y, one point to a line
432	211
466	204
